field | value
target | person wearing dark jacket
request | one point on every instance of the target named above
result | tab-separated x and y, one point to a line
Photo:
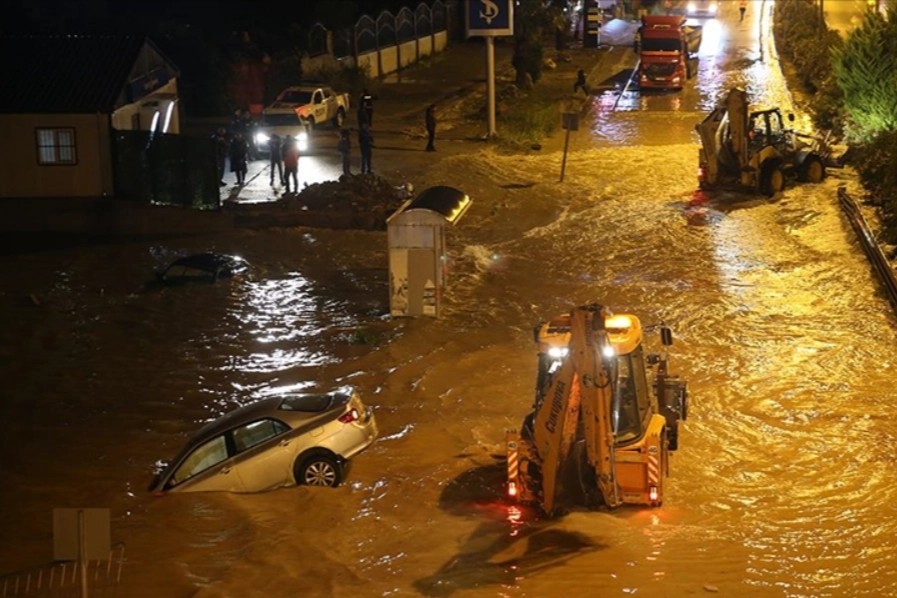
290	154
581	82
367	104
221	151
431	127
274	146
239	154
365	143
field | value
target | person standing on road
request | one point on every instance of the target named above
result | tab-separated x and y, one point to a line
581	82
275	145
221	151
431	127
290	154
742	7
239	154
367	104
238	123
365	143
344	146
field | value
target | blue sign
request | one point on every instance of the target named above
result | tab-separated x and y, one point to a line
148	83
489	17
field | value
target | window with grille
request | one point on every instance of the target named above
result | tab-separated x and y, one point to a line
56	146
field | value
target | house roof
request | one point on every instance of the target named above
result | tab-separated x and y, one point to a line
65	73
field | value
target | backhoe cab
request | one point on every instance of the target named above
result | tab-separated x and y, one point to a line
756	150
595	385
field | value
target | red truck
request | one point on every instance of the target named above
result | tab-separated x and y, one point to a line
668	51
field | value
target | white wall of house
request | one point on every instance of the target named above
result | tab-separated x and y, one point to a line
161	100
83	169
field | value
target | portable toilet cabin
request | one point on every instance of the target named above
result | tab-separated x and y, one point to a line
417	255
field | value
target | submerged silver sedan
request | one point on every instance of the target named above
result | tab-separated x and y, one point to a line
304	439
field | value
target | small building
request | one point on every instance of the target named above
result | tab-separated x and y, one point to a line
62	98
418	258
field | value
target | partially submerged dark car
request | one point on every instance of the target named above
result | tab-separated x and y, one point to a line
203	267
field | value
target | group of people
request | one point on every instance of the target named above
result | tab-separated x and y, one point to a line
284	152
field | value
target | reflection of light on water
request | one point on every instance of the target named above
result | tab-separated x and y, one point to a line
272	306
711	39
280	314
400	434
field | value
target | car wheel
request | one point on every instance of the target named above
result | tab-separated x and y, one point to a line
339	119
311	123
812	170
319	470
773	180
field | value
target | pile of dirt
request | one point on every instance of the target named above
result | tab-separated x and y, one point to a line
357	202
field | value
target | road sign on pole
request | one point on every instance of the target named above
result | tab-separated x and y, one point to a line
570	122
489	19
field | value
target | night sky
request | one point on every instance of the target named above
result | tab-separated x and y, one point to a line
95	16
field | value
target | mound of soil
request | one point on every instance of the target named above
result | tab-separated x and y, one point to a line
357	202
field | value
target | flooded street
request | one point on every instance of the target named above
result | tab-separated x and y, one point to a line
779	488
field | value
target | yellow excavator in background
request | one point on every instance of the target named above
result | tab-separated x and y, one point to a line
594	386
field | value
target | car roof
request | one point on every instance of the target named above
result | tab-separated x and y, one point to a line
305	87
268	407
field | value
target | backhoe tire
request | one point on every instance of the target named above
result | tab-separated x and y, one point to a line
812	170
772	180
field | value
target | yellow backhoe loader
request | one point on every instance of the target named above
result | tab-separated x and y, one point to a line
597	387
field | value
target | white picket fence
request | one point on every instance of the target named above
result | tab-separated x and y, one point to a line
63	579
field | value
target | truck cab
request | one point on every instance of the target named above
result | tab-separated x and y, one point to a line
668	51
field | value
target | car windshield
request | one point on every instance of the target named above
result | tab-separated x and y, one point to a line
667	44
280	120
306	403
295	96
663	69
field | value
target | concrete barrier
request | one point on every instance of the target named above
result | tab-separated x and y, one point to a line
425	46
369	61
389	60
440	41
318	64
407	53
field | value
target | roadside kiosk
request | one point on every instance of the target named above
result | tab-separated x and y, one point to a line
416	243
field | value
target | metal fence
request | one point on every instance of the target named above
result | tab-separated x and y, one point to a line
369	34
172	170
63	579
870	246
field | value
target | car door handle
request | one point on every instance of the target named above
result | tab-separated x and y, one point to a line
285	442
224	471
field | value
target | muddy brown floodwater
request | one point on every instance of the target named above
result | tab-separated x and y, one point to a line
781	486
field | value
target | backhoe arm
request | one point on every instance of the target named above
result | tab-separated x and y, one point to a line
582	380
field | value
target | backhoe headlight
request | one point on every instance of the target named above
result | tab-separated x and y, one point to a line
558	352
